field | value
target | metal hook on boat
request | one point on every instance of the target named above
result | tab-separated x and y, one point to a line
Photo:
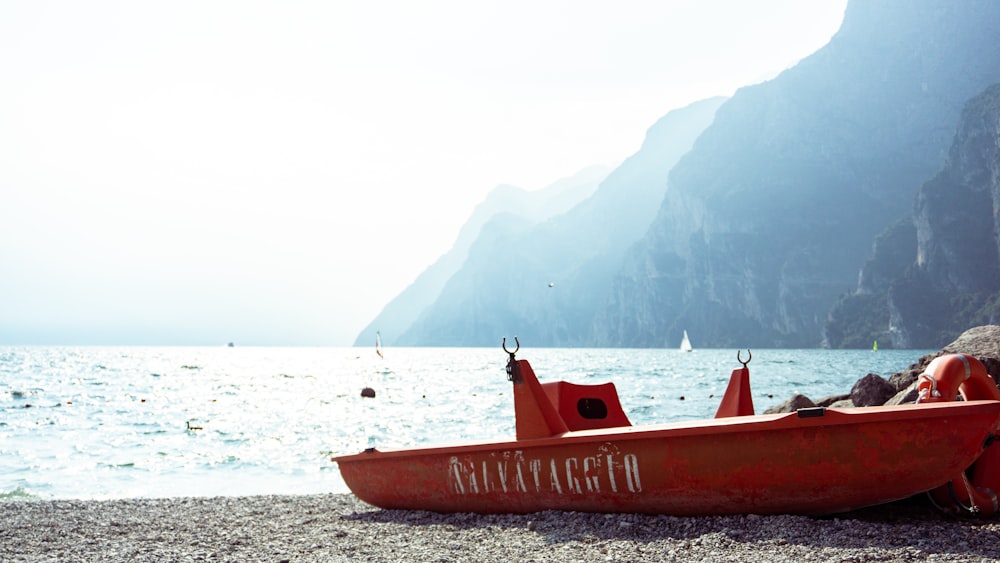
513	374
518	347
740	359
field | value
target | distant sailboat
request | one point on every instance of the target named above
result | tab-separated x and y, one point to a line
686	343
875	346
378	344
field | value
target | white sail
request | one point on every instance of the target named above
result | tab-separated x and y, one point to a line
686	343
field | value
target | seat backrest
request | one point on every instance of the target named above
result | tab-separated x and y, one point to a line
536	416
586	407
737	401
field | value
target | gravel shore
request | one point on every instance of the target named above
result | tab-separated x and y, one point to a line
341	528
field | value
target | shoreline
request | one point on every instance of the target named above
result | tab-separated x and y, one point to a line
339	527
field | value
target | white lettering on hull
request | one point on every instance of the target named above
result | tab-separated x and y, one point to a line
589	469
511	472
632	473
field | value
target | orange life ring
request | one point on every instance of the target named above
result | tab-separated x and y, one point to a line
975	489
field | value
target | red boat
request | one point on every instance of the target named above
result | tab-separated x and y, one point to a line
576	450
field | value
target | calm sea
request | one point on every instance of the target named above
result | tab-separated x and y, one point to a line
113	422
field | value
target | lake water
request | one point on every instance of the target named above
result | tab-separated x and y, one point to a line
112	422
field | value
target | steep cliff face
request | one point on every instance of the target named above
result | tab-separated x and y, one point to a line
860	318
956	212
952	278
545	282
767	221
533	207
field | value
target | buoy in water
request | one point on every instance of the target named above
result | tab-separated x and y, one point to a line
368	392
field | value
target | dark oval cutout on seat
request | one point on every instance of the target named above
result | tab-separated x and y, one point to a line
592	408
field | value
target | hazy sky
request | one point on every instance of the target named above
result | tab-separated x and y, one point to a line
198	172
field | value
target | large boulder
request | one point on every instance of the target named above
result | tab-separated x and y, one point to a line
981	342
871	390
830	400
796	402
904	397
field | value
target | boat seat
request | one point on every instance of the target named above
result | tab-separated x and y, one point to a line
586	407
737	401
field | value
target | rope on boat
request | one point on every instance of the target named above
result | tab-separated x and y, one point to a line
973	509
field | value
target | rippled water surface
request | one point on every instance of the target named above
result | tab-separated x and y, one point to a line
112	422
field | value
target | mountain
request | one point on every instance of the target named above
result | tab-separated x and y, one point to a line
534	206
937	272
769	218
546	281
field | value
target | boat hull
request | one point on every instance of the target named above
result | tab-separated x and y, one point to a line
816	461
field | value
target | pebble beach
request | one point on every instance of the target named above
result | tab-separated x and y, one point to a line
339	527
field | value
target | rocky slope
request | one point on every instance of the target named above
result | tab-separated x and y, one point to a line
769	218
945	275
546	281
757	235
534	207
